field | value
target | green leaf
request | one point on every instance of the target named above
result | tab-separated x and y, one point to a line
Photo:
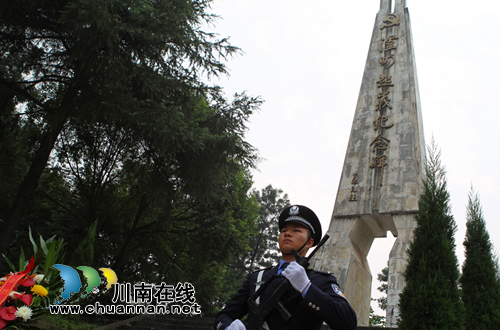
22	260
51	256
39	255
43	245
50	239
35	247
11	265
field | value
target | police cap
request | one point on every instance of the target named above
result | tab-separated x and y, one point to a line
303	215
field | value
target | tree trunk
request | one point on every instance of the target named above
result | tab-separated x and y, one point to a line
30	182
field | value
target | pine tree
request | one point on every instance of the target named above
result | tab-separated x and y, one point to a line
479	280
431	297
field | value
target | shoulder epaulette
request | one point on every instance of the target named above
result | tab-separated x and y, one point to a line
322	272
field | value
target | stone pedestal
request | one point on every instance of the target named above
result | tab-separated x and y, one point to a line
346	257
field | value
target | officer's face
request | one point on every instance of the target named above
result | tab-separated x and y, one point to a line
294	235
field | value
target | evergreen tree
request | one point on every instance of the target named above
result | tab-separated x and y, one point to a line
106	121
431	297
479	280
135	66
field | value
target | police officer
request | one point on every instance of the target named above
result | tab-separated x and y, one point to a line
319	299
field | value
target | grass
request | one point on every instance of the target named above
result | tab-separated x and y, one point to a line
69	322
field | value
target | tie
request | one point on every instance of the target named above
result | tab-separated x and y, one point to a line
285	264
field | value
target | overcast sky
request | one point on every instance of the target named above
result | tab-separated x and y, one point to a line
306	60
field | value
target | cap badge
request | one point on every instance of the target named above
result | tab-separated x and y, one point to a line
294	210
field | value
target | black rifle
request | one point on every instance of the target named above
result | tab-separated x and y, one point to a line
258	312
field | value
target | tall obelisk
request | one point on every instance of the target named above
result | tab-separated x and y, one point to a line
381	178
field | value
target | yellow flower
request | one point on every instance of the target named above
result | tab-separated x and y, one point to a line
39	290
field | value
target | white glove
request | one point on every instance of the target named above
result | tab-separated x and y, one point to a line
236	325
297	276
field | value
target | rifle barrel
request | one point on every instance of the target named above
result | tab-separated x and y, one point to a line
320	244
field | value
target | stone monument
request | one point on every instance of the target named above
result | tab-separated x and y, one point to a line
382	174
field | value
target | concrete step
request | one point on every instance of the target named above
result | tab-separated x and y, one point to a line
176	322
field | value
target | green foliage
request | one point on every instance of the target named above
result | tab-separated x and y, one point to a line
375	321
131	67
264	246
431	298
84	252
383	278
479	280
378	321
45	255
109	124
263	250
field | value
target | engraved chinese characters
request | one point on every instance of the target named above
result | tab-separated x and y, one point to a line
387	44
383	101
354	191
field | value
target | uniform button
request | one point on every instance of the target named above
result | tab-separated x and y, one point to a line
310	303
313	306
317	308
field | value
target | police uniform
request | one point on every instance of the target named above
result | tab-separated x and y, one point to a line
322	301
